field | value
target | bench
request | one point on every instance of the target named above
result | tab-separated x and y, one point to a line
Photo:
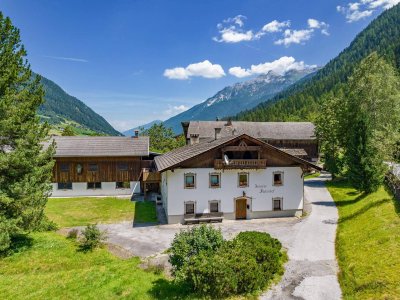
203	218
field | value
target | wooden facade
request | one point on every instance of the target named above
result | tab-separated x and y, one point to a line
310	146
99	169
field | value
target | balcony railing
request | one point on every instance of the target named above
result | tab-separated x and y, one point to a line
241	164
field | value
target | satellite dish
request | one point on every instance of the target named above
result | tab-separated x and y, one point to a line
226	159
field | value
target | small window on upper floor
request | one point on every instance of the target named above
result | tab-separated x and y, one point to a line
190	181
215	180
278	178
64	167
93	167
243	179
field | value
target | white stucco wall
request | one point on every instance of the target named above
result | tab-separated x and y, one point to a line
260	190
107	189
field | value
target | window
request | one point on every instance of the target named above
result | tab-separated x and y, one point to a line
64	167
123	185
64	185
189	208
190	181
277	203
123	167
214	206
278	178
243	179
215	180
93	185
93	167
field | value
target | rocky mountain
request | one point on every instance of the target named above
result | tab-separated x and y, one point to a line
130	132
238	97
301	102
61	109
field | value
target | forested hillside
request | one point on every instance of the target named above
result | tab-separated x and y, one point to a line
302	101
61	109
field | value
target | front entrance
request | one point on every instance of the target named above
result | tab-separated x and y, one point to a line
241	208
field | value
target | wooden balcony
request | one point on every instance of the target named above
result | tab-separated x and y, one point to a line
149	176
241	164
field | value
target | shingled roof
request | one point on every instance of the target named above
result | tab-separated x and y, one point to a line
108	146
259	130
177	156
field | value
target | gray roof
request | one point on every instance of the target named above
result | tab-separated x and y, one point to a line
259	130
110	146
295	152
177	156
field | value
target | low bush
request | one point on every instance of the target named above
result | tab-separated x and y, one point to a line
46	225
92	238
191	242
241	266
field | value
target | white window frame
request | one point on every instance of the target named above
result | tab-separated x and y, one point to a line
212	202
194	207
194	180
219	180
248	179
273	178
281	203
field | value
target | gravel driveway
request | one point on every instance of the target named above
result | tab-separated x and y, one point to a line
310	241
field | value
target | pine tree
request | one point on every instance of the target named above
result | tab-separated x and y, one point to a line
25	167
68	131
372	121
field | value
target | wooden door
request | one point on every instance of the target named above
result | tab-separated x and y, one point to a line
241	208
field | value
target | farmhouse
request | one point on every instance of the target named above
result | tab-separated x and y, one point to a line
231	177
94	166
296	138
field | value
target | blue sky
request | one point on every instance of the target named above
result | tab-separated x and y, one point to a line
136	61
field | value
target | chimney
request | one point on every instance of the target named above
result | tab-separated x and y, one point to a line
136	134
217	133
194	138
229	122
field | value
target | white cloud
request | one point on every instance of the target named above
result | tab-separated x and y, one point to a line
315	24
74	59
202	69
295	37
174	110
275	26
231	31
279	66
355	11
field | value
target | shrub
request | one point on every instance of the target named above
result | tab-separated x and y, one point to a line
241	266
191	242
72	234
92	238
47	225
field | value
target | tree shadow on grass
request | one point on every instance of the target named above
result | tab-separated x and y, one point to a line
170	290
19	243
364	209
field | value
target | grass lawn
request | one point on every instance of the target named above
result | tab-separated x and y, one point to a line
48	266
312	175
69	212
367	243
